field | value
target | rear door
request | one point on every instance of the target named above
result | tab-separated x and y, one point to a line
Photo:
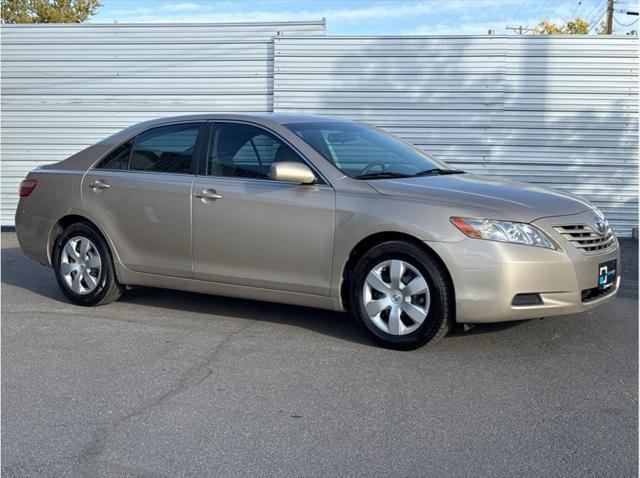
141	195
249	230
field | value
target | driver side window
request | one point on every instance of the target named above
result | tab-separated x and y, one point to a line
245	151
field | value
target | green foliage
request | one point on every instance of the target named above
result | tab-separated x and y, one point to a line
48	11
579	26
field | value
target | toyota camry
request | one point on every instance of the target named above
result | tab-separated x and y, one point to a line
317	212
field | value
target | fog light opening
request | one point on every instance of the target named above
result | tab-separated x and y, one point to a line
527	299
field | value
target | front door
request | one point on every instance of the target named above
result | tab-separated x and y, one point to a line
249	230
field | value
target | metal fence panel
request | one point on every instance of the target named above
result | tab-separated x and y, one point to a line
65	87
556	111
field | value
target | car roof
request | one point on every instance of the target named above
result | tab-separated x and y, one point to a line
287	118
281	118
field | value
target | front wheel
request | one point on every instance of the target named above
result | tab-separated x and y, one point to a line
84	268
401	296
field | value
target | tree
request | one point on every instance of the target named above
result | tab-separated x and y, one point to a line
547	28
579	26
48	11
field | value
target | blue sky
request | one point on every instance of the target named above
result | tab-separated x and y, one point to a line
371	17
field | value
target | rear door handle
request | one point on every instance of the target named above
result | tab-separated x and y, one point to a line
210	194
99	184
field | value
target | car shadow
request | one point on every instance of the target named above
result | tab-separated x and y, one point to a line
325	322
24	273
478	329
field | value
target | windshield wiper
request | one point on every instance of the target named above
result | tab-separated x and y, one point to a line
382	175
439	172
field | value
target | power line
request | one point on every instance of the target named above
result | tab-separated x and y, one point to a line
541	8
588	17
520	9
575	12
597	19
572	17
597	16
544	2
554	10
596	13
626	24
600	17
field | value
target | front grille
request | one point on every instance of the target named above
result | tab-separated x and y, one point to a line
586	239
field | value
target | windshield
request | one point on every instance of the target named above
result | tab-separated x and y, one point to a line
364	152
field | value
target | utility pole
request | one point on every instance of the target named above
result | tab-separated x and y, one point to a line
520	30
609	29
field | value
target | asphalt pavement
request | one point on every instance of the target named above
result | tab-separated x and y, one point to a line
166	383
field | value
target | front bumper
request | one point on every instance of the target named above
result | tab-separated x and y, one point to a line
487	275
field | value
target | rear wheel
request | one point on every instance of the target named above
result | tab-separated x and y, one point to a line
401	296
84	267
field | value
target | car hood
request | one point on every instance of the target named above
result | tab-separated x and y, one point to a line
479	196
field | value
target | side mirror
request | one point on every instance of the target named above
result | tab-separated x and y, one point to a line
292	172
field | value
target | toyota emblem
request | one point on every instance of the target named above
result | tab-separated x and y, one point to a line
601	225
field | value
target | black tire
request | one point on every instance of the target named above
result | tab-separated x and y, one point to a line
440	314
107	289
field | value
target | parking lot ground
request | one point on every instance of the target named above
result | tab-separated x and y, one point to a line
165	383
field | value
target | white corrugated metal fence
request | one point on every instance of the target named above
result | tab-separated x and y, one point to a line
64	87
557	111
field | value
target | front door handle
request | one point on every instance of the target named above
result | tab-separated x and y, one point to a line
99	184
208	194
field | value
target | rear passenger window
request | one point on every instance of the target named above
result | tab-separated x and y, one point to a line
118	158
166	149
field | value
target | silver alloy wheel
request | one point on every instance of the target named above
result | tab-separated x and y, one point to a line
396	297
80	265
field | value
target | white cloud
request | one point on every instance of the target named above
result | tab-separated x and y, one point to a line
180	7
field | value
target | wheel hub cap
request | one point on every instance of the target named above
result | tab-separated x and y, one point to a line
396	297
80	265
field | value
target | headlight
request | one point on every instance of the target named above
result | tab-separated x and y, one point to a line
503	231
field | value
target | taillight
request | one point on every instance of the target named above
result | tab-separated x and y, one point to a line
27	186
